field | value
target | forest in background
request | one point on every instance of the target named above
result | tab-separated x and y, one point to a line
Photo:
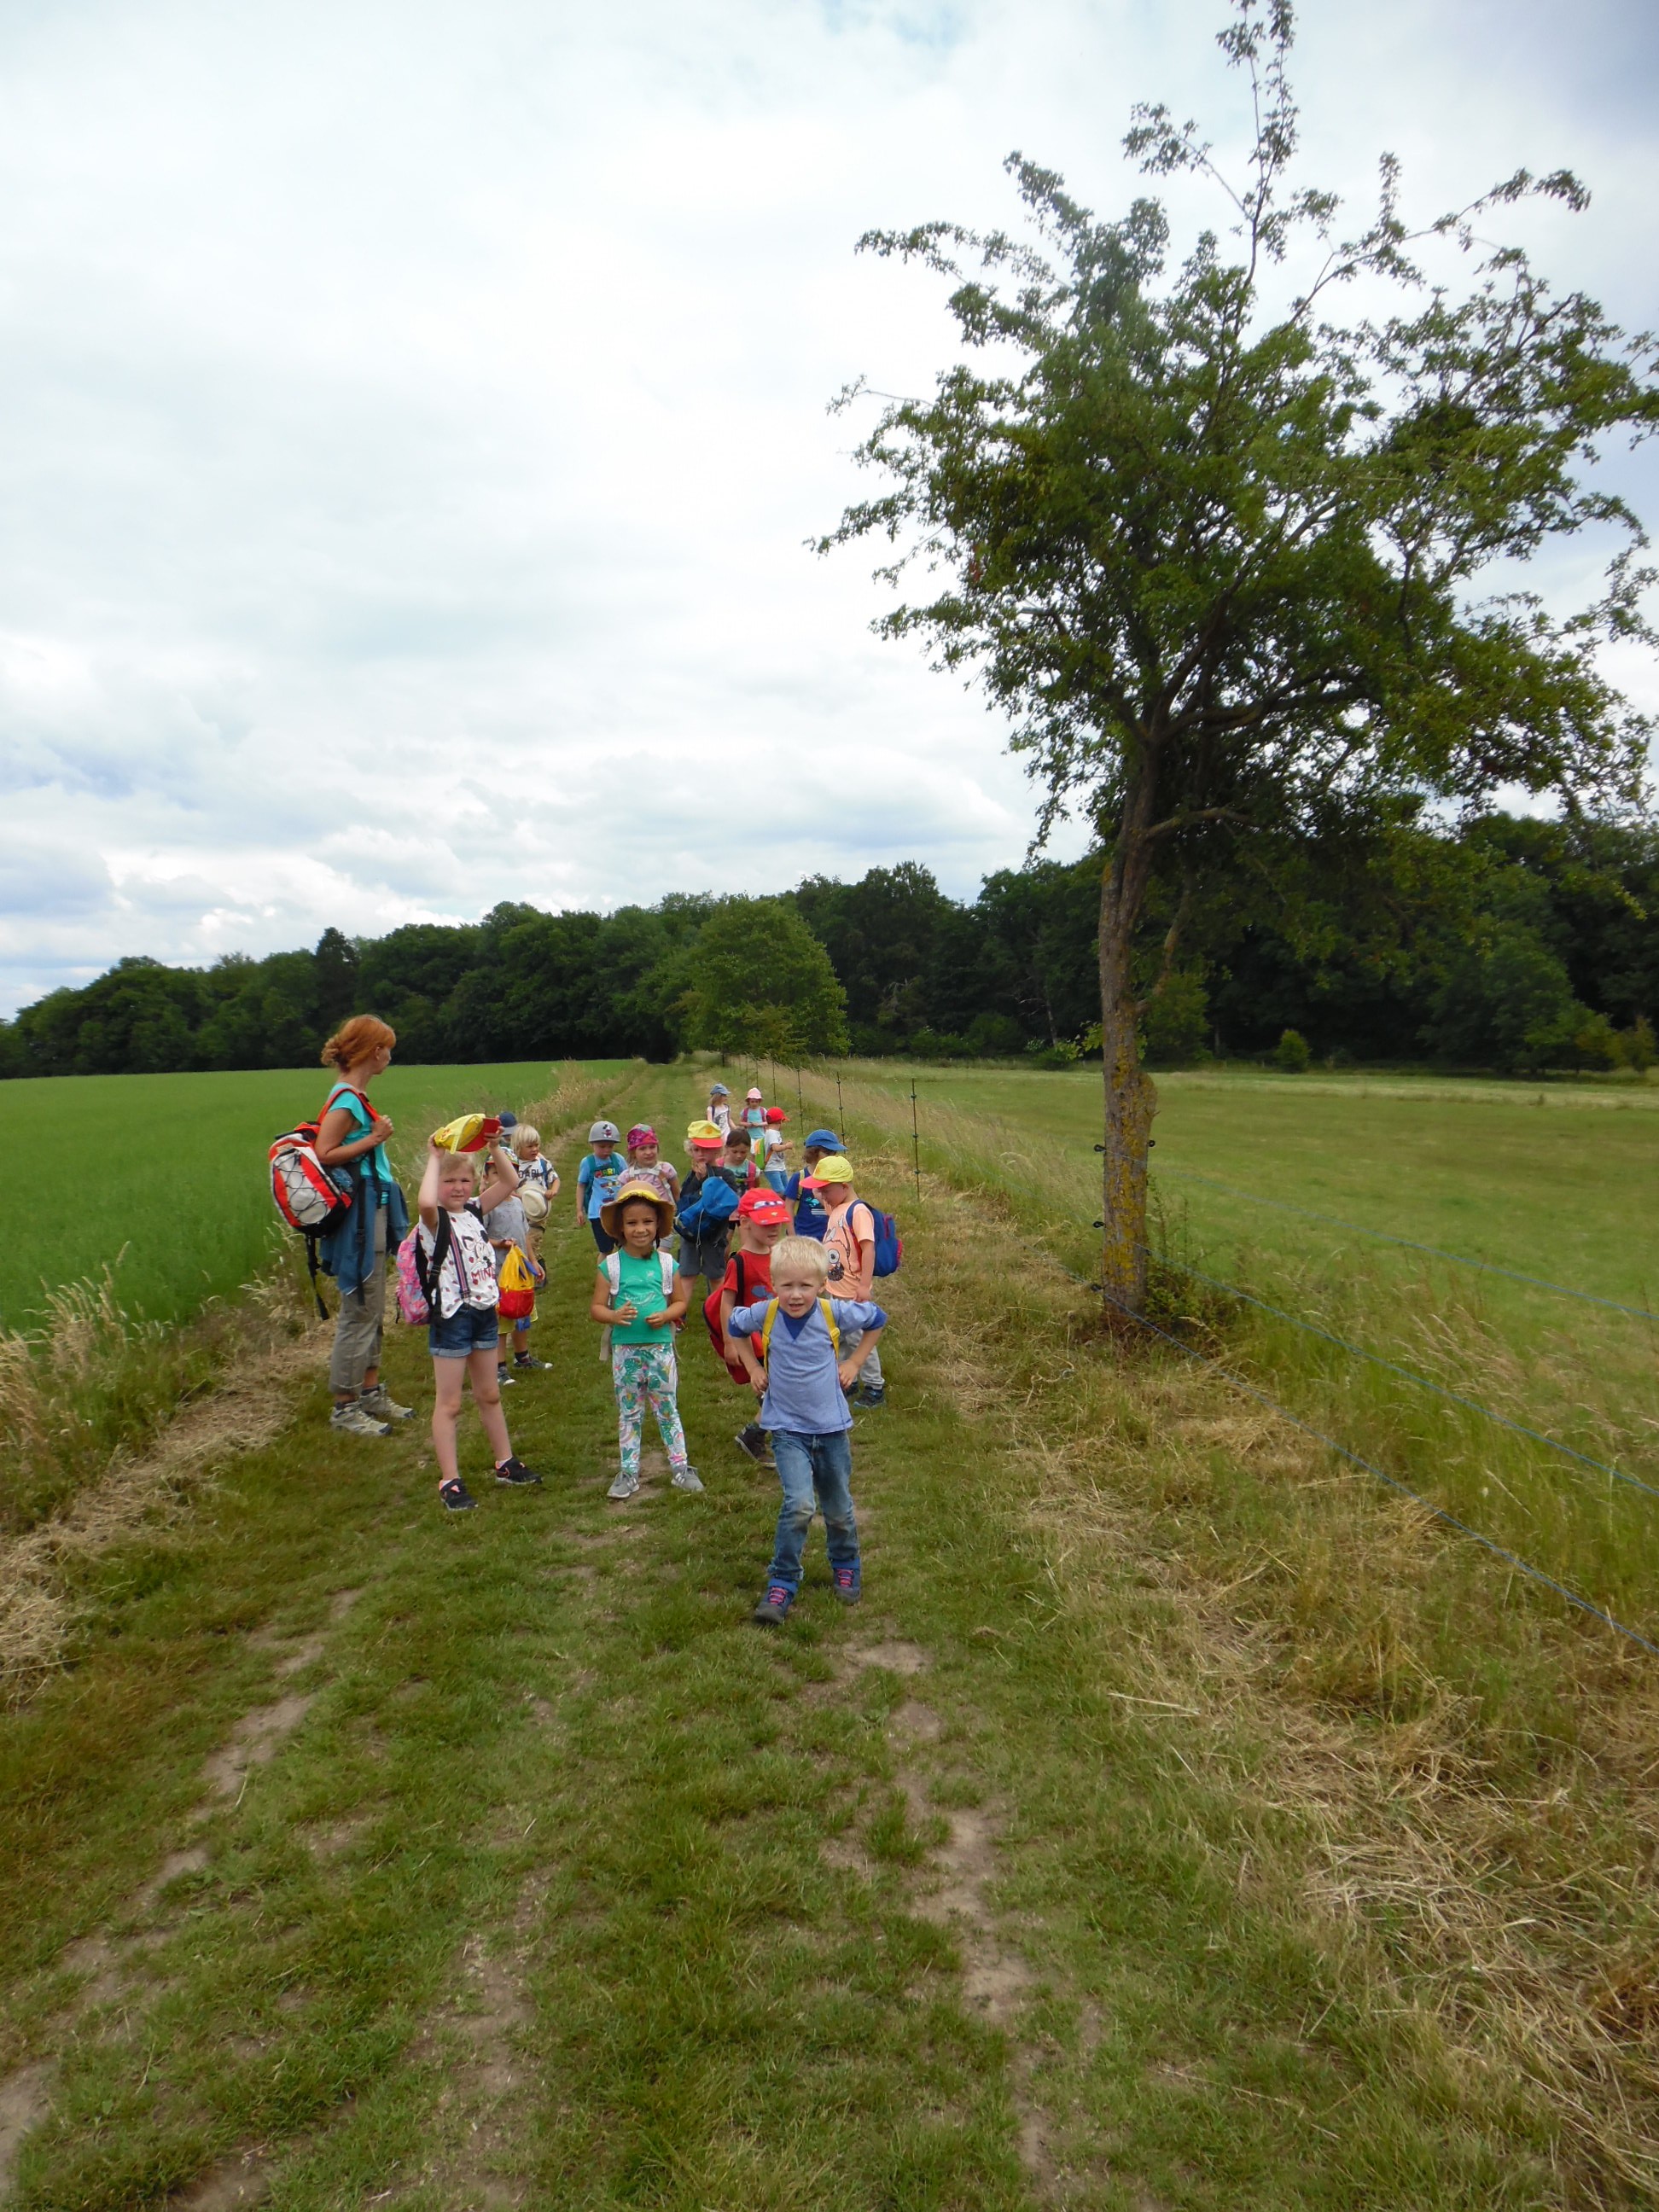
1512	944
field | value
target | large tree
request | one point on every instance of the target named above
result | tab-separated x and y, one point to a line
1222	556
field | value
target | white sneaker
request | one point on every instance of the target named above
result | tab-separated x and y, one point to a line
623	1486
380	1407
687	1479
357	1423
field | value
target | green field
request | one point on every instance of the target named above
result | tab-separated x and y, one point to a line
162	1178
1548	1182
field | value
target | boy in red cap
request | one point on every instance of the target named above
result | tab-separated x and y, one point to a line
762	1217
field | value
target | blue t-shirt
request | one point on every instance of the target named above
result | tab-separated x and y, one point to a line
803	1387
812	1218
598	1178
377	1170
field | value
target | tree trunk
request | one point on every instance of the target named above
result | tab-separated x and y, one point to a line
1131	1097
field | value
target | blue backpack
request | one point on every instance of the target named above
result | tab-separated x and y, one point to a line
889	1245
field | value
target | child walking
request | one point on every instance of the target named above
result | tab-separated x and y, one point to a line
850	1245
803	1338
597	1177
762	1217
457	1269
707	1201
638	1298
647	1164
812	1218
719	1107
774	1149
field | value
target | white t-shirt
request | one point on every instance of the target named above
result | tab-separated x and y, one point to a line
468	1275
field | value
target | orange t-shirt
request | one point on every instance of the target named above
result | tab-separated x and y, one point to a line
849	1241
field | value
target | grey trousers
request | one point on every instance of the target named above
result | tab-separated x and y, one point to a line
361	1319
871	1371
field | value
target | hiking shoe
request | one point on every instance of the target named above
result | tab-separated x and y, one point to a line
380	1407
755	1441
774	1609
503	1380
623	1486
357	1423
527	1363
870	1394
456	1496
847	1585
687	1479
514	1472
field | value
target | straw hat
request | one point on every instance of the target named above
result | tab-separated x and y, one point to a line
643	1193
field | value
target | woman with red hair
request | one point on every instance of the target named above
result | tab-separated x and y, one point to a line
351	1137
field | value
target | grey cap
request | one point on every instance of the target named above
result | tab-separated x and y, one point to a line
605	1132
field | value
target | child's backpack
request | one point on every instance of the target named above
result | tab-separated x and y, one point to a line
889	1245
771	1317
613	1273
305	1193
414	1301
711	1314
516	1285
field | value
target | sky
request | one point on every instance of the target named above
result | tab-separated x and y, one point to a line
414	418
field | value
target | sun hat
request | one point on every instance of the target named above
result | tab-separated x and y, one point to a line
705	1133
467	1133
640	1193
764	1207
640	1133
775	1117
834	1167
718	1091
821	1140
534	1199
605	1132
753	1091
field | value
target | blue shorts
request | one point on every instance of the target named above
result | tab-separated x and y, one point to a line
473	1329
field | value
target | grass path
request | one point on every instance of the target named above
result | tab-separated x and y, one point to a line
371	1856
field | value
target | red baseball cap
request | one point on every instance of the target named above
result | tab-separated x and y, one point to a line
764	1207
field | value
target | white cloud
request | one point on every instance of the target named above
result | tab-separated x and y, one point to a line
415	418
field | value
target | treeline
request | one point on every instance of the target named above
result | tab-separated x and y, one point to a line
1513	945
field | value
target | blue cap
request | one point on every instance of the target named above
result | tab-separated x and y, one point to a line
822	1140
718	1091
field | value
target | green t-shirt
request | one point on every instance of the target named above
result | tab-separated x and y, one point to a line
641	1285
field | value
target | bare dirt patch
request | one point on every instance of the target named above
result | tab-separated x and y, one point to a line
254	1741
25	2098
242	2179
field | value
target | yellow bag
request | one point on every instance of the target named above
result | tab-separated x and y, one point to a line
467	1133
516	1285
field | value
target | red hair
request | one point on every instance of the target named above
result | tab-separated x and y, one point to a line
355	1040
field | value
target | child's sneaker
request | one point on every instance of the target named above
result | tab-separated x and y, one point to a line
527	1363
687	1479
503	1380
456	1496
515	1471
847	1585
774	1609
380	1407
355	1422
870	1394
623	1486
754	1440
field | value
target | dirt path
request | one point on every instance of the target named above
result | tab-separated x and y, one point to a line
370	1857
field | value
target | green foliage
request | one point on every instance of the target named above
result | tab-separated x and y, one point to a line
1175	1024
762	984
1292	1053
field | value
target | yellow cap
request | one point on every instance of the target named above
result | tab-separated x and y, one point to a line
836	1168
705	1132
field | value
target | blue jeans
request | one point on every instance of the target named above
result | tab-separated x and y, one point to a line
468	1329
809	1467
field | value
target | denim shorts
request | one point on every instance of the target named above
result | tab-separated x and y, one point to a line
472	1328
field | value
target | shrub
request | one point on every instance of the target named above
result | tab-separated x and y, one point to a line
1292	1053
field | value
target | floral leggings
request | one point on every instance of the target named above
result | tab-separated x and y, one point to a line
645	1375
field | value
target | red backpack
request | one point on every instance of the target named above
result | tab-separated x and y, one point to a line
754	1277
305	1193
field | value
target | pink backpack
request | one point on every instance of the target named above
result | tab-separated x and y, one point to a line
413	1304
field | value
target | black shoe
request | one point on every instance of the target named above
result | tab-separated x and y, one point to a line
774	1609
754	1441
456	1496
515	1472
503	1380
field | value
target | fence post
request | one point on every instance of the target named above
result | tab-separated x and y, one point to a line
915	1137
